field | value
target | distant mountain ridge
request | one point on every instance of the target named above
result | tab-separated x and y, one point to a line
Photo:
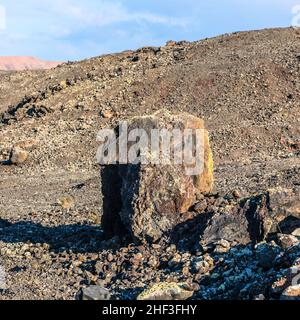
19	63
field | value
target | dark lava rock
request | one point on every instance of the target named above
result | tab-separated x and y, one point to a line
266	255
250	220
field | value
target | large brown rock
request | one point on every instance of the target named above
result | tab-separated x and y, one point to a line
146	200
18	156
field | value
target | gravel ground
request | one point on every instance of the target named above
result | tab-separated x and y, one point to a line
244	85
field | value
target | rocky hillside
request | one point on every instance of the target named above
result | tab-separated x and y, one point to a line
244	85
25	63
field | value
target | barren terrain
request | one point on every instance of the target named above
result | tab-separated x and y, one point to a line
246	86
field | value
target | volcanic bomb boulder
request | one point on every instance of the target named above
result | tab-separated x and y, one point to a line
147	198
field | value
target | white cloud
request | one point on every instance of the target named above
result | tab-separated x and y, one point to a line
105	13
75	29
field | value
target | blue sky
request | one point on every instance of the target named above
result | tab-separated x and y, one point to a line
76	29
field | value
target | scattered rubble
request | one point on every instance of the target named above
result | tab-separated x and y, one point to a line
238	244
